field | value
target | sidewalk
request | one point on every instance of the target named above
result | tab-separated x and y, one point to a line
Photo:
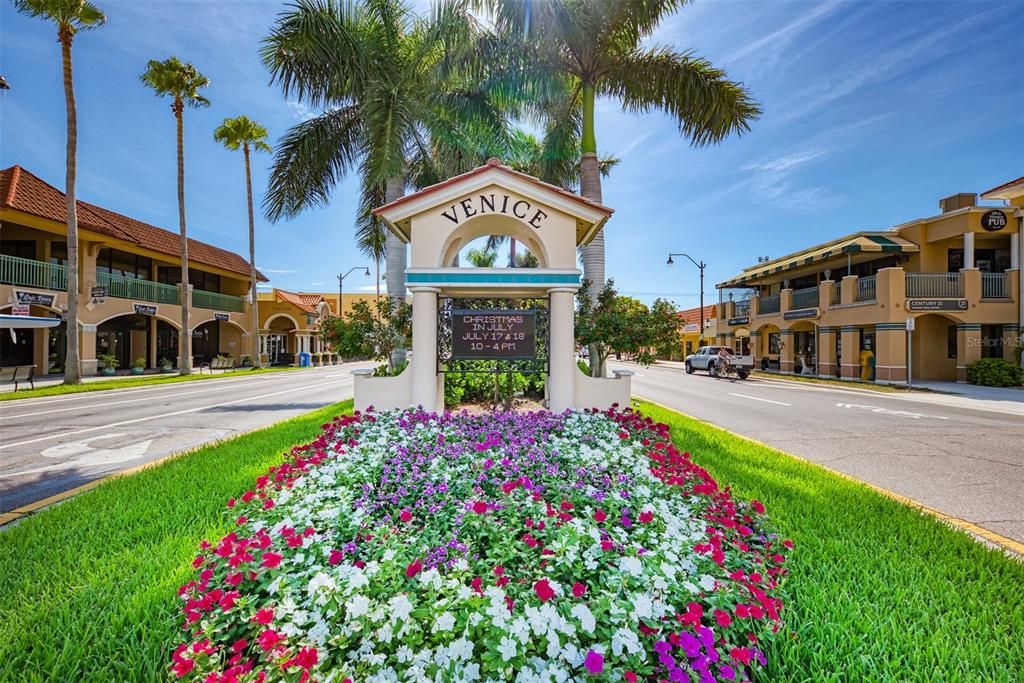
55	380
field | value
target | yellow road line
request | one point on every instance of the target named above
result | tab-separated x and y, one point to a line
962	524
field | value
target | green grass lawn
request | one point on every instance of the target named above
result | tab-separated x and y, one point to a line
88	588
128	382
878	591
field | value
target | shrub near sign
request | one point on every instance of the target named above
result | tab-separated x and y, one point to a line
479	335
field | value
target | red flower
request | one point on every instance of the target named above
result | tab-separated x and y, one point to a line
607	545
306	658
600	515
723	618
543	590
264	616
231	502
240	645
182	667
477	584
480	507
742	611
233	579
566	505
268	503
271	560
268	639
247	496
629	676
646	517
758	506
499	570
578	589
335	557
405	515
413	569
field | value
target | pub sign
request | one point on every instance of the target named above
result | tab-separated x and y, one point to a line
993	220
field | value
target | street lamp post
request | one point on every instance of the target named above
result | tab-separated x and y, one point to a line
700	267
341	286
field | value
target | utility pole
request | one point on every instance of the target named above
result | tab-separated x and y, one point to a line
341	287
700	267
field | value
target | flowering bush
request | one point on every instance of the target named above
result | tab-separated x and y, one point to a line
407	546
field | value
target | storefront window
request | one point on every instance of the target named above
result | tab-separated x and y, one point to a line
991	341
123	264
951	342
774	343
59	253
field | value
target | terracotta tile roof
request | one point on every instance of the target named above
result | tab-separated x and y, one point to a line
1004	186
306	302
23	191
692	315
495	164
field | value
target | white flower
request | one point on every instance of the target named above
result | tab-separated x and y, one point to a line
642	607
507	649
631	565
400	608
707	582
586	618
625	639
357	606
444	622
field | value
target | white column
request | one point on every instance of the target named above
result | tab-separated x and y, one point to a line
968	250
1015	250
424	348
561	346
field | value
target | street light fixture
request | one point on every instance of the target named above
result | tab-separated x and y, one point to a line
341	286
700	266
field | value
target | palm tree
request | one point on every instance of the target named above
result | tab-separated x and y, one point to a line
387	83
482	258
242	132
596	47
182	83
70	16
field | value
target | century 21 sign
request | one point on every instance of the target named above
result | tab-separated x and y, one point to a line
492	203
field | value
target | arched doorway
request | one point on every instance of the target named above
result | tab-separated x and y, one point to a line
768	347
166	343
742	344
125	338
205	342
280	340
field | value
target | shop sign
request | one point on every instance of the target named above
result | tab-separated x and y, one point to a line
34	298
20	309
743	320
221	316
479	335
800	314
690	327
145	309
937	304
98	292
993	220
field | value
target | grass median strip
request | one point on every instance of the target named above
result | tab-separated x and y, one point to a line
88	587
129	382
878	591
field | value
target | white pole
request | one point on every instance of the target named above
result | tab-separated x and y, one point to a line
910	356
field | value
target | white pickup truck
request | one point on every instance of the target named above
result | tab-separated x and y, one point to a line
706	358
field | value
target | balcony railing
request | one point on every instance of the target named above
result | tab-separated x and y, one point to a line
217	301
805	298
742	308
837	294
866	288
768	304
31	273
134	288
940	285
993	286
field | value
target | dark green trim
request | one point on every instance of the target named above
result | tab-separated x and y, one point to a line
968	326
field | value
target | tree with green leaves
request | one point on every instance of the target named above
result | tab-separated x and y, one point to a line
70	16
182	83
482	258
243	133
388	85
598	48
617	324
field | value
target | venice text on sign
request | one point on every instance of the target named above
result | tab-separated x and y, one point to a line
492	203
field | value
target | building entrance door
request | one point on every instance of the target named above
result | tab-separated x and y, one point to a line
277	346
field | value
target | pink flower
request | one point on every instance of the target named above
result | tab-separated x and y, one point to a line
335	557
268	504
543	590
723	618
629	676
268	639
578	589
480	507
499	570
600	515
306	658
646	517
413	569
264	616
182	667
758	506
271	560
405	515
594	662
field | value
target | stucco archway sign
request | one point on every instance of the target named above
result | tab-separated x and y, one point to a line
441	219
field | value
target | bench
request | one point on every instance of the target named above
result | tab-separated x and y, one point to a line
218	363
13	374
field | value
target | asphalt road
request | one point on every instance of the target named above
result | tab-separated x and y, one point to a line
959	455
50	445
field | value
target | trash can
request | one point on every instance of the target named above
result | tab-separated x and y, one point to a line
304	360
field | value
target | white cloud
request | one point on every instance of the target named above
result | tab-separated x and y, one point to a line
277	271
300	110
772	182
780	39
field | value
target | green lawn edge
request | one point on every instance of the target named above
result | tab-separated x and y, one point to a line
878	590
88	588
129	383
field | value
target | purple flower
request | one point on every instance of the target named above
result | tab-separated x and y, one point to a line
726	672
594	662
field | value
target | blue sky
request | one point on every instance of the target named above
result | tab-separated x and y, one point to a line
873	111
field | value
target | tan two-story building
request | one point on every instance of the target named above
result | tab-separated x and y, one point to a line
843	308
129	284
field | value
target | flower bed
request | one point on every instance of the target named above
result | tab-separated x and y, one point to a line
526	547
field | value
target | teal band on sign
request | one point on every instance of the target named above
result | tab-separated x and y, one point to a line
493	278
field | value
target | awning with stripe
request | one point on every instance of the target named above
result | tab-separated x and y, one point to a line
852	245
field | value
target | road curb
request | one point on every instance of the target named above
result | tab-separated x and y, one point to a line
991	537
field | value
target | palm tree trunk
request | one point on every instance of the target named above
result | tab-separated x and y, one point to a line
185	337
590	187
72	362
254	306
395	254
376	263
511	252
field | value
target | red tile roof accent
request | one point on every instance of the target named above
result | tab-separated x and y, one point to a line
23	191
1004	186
692	315
495	164
307	302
